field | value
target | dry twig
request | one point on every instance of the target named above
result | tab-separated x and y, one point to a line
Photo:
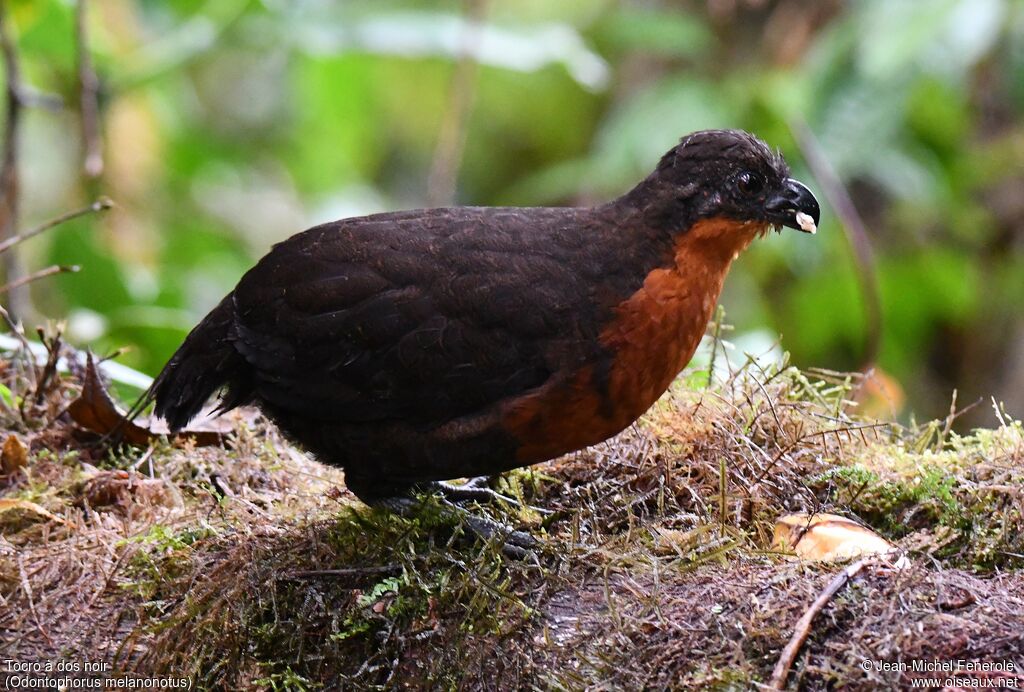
101	204
41	274
381	570
803	626
53	346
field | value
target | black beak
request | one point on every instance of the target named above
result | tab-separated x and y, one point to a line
795	206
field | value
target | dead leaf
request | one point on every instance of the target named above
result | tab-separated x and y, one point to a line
95	411
955	598
674	541
7	504
121	489
826	537
14	455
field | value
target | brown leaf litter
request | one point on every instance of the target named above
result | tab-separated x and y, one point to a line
95	411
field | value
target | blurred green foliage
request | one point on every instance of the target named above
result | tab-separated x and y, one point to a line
232	124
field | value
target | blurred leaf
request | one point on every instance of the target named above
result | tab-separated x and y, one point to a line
640	131
47	33
7	397
655	31
856	113
919	292
970	33
14	455
8	504
776	98
823	314
902	174
632	139
528	117
576	12
556	183
150	333
943	35
1015	55
339	101
894	33
101	284
429	34
938	114
177	45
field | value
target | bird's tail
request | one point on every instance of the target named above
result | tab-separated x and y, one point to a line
204	363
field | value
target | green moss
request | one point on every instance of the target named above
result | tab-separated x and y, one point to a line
952	490
287	681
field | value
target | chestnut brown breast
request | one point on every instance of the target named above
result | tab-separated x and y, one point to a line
653	336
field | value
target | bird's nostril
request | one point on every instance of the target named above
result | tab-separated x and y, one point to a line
779	203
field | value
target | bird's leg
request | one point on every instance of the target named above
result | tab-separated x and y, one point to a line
516	544
479	482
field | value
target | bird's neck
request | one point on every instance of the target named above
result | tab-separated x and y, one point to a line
658	328
658	204
650	337
655	222
715	243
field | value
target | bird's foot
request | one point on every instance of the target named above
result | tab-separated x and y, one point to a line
477	490
480	481
515	544
474	490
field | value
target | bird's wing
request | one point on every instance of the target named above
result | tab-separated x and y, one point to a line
417	316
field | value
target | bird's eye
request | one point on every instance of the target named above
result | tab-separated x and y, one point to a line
749	183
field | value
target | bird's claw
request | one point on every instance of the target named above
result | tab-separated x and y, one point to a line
515	544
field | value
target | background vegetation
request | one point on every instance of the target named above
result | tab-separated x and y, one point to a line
229	125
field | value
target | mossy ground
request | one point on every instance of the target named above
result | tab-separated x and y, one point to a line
251	567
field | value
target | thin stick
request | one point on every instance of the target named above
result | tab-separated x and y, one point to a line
9	183
716	335
856	233
106	582
13	326
803	626
444	169
41	274
102	204
347	572
26	352
723	499
53	348
27	588
88	101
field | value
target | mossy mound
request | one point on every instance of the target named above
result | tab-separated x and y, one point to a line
250	566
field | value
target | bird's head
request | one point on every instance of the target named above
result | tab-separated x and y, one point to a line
727	174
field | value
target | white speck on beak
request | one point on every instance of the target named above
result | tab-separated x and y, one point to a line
806	222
